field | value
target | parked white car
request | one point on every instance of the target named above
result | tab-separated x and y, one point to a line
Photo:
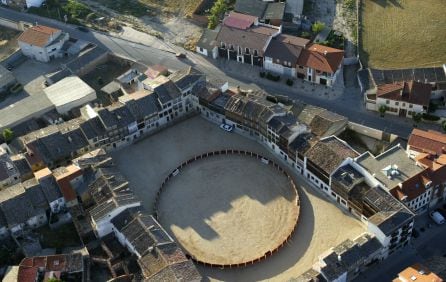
437	217
226	127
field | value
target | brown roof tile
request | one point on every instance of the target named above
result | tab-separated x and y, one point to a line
419	273
329	153
412	92
240	21
254	39
413	187
38	35
63	180
429	141
321	58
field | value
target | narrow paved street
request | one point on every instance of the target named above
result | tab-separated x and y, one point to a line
429	243
348	102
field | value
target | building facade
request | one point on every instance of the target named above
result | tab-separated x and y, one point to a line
42	43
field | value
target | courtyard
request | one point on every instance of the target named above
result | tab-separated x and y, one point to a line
321	224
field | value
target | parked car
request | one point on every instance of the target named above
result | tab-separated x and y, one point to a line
9	67
82	28
226	127
437	217
180	55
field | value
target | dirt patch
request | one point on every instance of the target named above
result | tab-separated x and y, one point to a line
167	19
229	209
8	42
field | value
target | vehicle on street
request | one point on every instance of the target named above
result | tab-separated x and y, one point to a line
437	217
82	28
226	127
180	55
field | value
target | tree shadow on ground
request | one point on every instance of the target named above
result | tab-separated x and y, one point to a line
386	3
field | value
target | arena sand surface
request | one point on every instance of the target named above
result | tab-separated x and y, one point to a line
229	209
321	225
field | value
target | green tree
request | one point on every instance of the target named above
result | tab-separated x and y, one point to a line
317	27
217	11
76	9
8	134
443	125
416	118
382	110
52	279
212	21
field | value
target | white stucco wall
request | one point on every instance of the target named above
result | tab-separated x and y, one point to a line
34	3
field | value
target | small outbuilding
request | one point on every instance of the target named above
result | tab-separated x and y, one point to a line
69	93
207	45
7	79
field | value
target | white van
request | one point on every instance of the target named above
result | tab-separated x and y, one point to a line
437	217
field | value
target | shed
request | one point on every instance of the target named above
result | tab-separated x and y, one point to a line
7	79
71	92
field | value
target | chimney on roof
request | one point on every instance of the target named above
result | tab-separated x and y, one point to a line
325	53
339	258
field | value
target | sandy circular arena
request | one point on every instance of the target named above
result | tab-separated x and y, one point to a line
229	209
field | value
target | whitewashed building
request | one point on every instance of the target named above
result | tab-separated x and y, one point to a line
42	43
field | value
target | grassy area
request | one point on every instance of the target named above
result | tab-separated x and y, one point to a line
8	42
65	236
140	8
76	12
403	33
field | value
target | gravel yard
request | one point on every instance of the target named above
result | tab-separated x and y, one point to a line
229	209
321	224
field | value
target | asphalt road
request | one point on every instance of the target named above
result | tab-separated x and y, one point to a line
156	51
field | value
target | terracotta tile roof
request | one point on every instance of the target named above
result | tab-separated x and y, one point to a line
27	274
63	180
240	21
419	273
436	167
38	35
412	92
321	58
430	141
155	71
413	187
29	267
